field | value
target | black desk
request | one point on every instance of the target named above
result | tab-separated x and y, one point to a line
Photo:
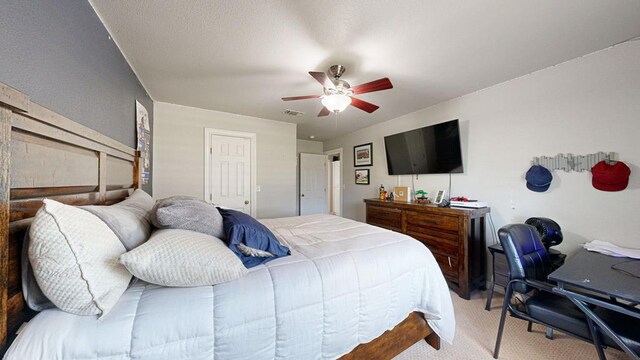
592	271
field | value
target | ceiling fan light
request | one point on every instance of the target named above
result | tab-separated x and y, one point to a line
336	102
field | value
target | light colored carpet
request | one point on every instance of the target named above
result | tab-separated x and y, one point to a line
476	331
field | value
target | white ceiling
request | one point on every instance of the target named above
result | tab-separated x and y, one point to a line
243	56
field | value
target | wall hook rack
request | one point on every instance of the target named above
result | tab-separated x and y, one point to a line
570	162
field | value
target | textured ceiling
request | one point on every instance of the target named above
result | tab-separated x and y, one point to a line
243	56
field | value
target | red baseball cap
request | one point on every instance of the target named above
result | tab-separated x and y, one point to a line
610	177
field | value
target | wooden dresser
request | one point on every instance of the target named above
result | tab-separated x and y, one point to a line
455	236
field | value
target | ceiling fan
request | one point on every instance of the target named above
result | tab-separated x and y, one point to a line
338	93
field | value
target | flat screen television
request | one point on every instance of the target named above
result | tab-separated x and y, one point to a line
432	149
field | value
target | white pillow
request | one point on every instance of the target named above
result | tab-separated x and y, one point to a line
139	199
130	219
74	256
177	257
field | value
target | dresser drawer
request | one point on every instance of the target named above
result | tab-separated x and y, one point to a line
448	264
389	218
442	243
441	222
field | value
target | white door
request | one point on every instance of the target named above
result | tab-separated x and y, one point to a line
336	179
229	161
313	184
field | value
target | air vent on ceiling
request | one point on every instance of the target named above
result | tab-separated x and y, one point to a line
293	112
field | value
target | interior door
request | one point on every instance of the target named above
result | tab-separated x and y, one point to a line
230	172
313	184
336	179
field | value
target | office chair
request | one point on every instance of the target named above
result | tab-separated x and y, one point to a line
529	266
550	232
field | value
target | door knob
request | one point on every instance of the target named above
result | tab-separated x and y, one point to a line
246	202
301	195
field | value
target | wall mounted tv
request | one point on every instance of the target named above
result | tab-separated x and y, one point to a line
432	149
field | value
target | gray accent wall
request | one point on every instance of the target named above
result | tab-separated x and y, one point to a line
60	54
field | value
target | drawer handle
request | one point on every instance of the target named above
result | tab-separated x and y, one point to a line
449	258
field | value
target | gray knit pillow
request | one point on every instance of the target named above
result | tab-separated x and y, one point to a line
188	213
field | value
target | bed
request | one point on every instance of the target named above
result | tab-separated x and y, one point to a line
337	296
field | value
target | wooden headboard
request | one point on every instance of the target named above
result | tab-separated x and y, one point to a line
45	155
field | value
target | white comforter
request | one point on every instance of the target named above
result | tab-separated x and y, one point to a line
344	284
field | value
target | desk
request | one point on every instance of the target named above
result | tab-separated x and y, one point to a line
592	271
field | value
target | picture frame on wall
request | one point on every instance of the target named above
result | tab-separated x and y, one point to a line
363	155
362	176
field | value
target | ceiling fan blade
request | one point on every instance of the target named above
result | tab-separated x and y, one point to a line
323	79
324	112
376	85
363	105
300	97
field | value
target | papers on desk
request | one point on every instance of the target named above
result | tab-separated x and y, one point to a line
607	248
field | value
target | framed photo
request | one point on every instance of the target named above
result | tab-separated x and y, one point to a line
363	155
439	197
362	177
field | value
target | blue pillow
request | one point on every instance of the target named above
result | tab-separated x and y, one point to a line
242	228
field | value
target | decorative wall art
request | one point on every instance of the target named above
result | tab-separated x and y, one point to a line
570	162
144	140
363	155
362	177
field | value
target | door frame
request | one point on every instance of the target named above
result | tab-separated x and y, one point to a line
207	152
338	152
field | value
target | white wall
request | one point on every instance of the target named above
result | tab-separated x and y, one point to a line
179	155
582	106
308	146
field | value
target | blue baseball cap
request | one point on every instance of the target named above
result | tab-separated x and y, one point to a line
538	178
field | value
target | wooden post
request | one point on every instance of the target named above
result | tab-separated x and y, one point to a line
5	186
102	177
136	170
433	340
14	98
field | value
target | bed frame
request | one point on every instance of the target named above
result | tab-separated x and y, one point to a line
45	155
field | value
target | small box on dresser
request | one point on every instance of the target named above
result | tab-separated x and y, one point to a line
456	237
